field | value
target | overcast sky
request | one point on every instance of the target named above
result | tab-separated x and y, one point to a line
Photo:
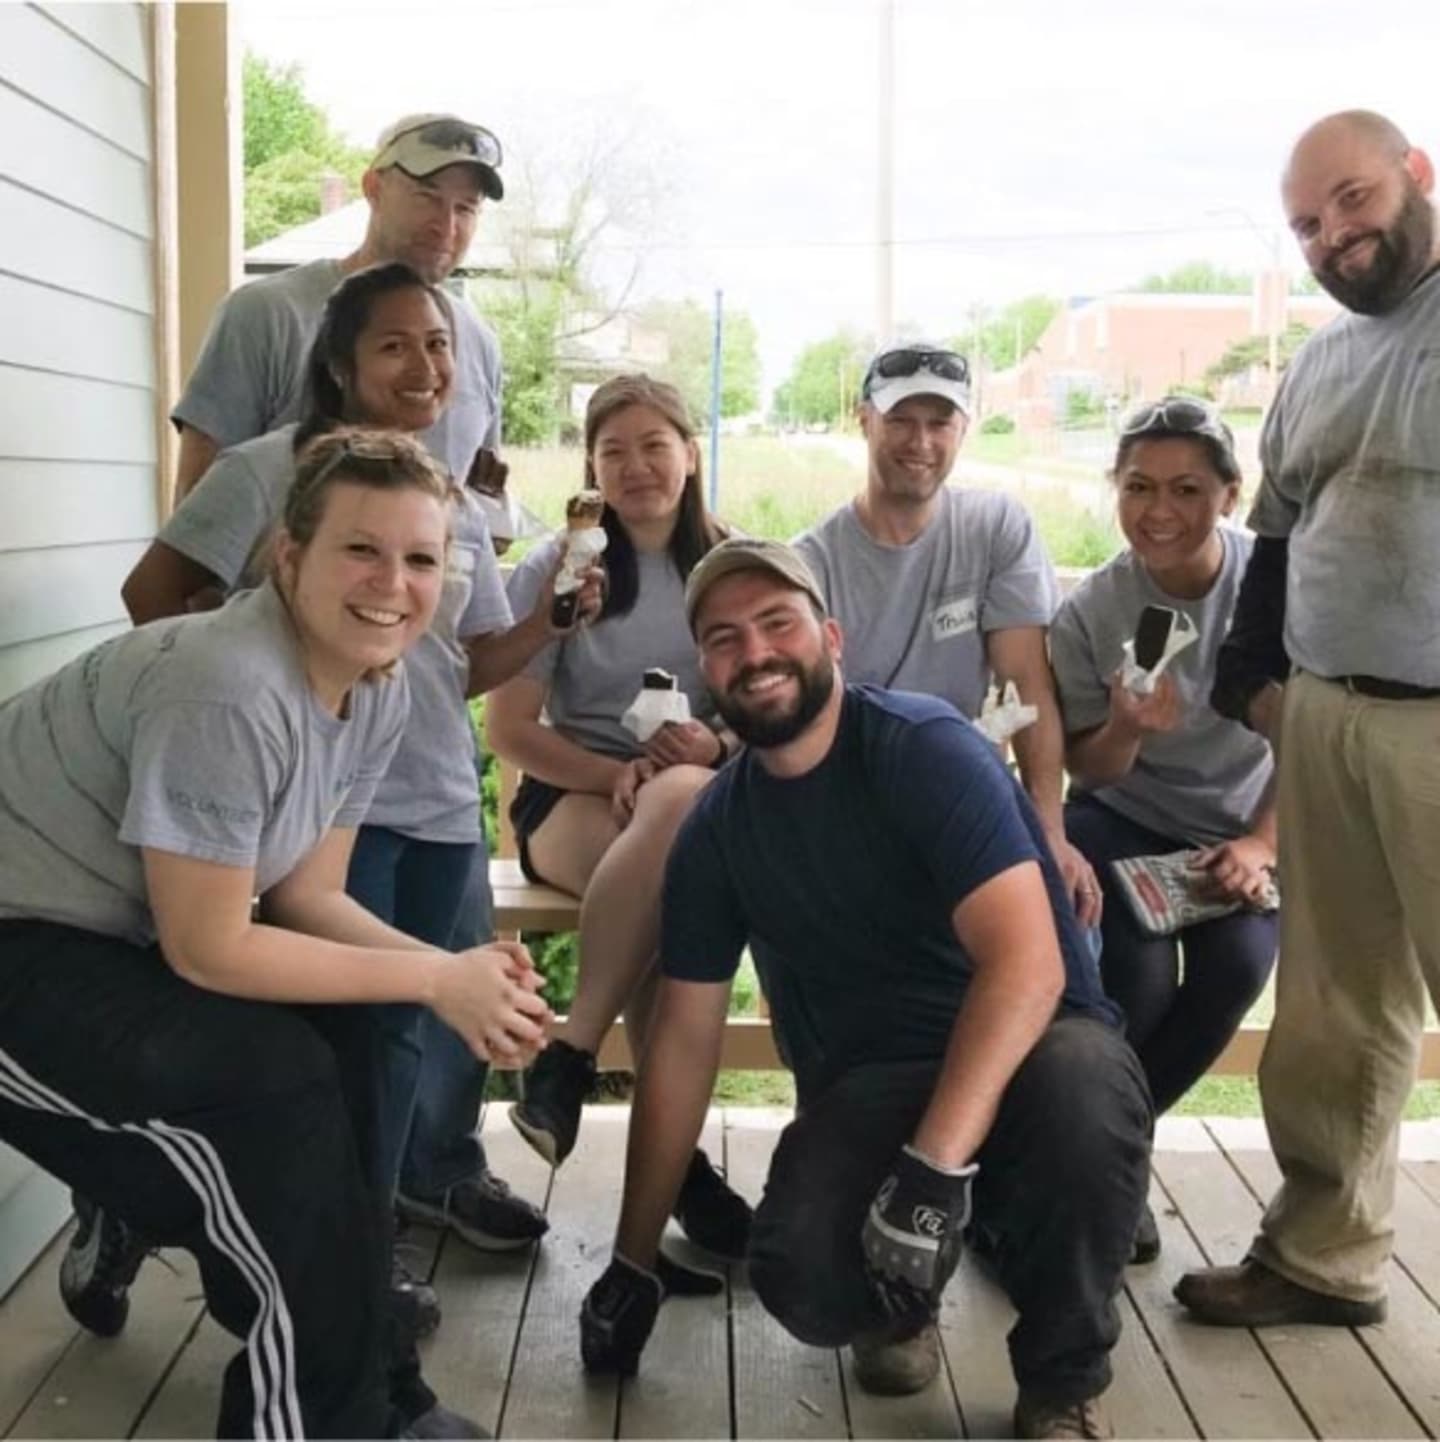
1065	146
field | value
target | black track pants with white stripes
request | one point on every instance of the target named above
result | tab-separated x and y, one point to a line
226	1127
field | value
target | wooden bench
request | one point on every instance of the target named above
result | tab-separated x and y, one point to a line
522	905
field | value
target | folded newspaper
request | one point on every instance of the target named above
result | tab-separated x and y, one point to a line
1167	893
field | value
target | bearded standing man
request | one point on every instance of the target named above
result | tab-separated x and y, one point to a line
1348	525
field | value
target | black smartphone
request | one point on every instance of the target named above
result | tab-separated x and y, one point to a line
1152	635
563	608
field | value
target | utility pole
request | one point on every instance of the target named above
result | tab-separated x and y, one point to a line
717	355
1271	295
885	178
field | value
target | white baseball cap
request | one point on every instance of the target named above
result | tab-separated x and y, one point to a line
422	144
914	368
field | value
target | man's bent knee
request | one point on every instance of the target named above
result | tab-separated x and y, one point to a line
801	1277
791	1295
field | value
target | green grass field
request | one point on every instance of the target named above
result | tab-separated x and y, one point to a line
777	486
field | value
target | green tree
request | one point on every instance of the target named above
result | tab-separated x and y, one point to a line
1254	350
526	320
689	329
824	383
1199	277
1010	334
289	147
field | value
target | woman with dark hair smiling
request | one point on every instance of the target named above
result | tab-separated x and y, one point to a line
197	1065
383	358
597	810
1161	772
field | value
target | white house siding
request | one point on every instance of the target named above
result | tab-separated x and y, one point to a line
77	378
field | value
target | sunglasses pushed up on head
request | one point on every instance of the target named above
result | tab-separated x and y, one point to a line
1177	416
908	360
465	141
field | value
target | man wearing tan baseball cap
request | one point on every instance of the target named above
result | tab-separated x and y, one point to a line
957	1066
431	175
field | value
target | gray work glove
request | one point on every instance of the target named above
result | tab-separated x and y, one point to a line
913	1233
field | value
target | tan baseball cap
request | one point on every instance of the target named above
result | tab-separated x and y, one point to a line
422	144
746	553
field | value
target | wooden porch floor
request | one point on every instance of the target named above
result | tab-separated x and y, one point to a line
719	1367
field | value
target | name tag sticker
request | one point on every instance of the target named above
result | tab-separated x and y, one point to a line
459	564
953	618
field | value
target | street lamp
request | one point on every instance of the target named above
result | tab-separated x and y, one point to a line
1273	300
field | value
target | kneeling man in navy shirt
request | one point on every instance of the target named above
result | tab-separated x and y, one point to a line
959	1073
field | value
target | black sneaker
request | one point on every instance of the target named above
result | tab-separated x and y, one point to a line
483	1211
556	1085
98	1267
413	1301
710	1213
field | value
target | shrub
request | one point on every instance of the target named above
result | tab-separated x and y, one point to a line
997	425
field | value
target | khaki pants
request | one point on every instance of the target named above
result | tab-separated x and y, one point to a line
1359	944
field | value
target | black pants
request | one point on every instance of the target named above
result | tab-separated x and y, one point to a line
1178	1026
237	1130
1062	1179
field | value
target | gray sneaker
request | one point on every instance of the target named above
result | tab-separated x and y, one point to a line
441	1422
98	1267
482	1210
892	1366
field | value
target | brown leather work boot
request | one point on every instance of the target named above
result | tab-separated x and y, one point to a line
1251	1295
893	1366
1036	1418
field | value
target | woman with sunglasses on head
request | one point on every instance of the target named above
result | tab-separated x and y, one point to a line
1162	772
194	1063
383	358
597	811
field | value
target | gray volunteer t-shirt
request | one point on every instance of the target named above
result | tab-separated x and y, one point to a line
1351	461
1201	782
431	791
250	376
592	675
915	616
197	735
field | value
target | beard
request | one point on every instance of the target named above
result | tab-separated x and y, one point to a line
1402	255
771	728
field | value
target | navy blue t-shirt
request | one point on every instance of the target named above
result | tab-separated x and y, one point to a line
843	882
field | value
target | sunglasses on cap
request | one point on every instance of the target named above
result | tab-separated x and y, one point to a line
894	364
1178	415
464	139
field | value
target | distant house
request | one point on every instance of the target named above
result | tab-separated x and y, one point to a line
338	232
504	248
1127	345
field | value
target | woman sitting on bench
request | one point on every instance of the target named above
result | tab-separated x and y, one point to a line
597	811
1158	771
194	1066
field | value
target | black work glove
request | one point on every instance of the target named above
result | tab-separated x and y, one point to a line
914	1231
620	1309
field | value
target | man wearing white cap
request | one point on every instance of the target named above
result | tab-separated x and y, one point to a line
939	590
430	176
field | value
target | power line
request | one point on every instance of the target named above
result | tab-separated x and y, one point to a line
976	240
